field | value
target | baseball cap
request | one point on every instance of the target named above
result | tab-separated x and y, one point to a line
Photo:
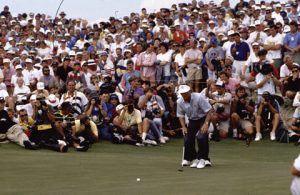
40	86
19	67
6	60
28	60
183	89
220	83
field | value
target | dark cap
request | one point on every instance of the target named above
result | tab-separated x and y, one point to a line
114	96
2	99
66	105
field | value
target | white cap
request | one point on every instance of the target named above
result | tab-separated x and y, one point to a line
202	39
257	22
52	100
6	60
24	52
28	60
231	32
40	86
33	97
277	5
286	29
183	89
84	62
19	67
255	44
72	53
176	23
220	83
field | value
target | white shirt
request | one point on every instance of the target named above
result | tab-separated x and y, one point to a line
227	96
15	77
179	59
253	35
21	90
3	93
284	71
31	75
227	48
277	40
277	18
43	52
268	86
193	54
165	57
78	100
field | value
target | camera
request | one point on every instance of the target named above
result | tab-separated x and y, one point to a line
156	111
297	123
220	108
117	138
217	65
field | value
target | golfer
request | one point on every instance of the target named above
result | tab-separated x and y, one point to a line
198	111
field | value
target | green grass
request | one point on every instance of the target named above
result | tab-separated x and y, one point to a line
263	168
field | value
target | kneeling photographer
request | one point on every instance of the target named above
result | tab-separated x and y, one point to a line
65	126
267	116
128	124
42	132
241	114
221	101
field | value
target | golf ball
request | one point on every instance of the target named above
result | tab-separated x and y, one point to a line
138	179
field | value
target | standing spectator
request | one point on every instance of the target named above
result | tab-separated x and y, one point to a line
291	42
193	57
273	45
214	58
240	51
146	60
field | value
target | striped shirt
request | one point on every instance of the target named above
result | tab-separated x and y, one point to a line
78	101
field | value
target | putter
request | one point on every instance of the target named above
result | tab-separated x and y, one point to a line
181	165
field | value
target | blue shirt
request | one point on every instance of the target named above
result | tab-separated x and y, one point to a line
292	40
242	50
195	109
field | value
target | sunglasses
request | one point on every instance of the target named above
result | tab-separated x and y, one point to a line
23	115
294	71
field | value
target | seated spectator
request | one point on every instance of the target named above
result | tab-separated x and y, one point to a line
77	99
12	131
20	90
292	85
40	90
231	84
48	80
134	92
152	109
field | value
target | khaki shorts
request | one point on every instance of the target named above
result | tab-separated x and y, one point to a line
194	74
224	125
245	124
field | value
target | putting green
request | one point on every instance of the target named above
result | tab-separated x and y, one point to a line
263	168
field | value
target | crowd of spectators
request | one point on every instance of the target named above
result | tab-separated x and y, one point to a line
67	83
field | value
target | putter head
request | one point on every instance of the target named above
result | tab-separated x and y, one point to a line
180	169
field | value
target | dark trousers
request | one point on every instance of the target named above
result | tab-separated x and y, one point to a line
202	139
